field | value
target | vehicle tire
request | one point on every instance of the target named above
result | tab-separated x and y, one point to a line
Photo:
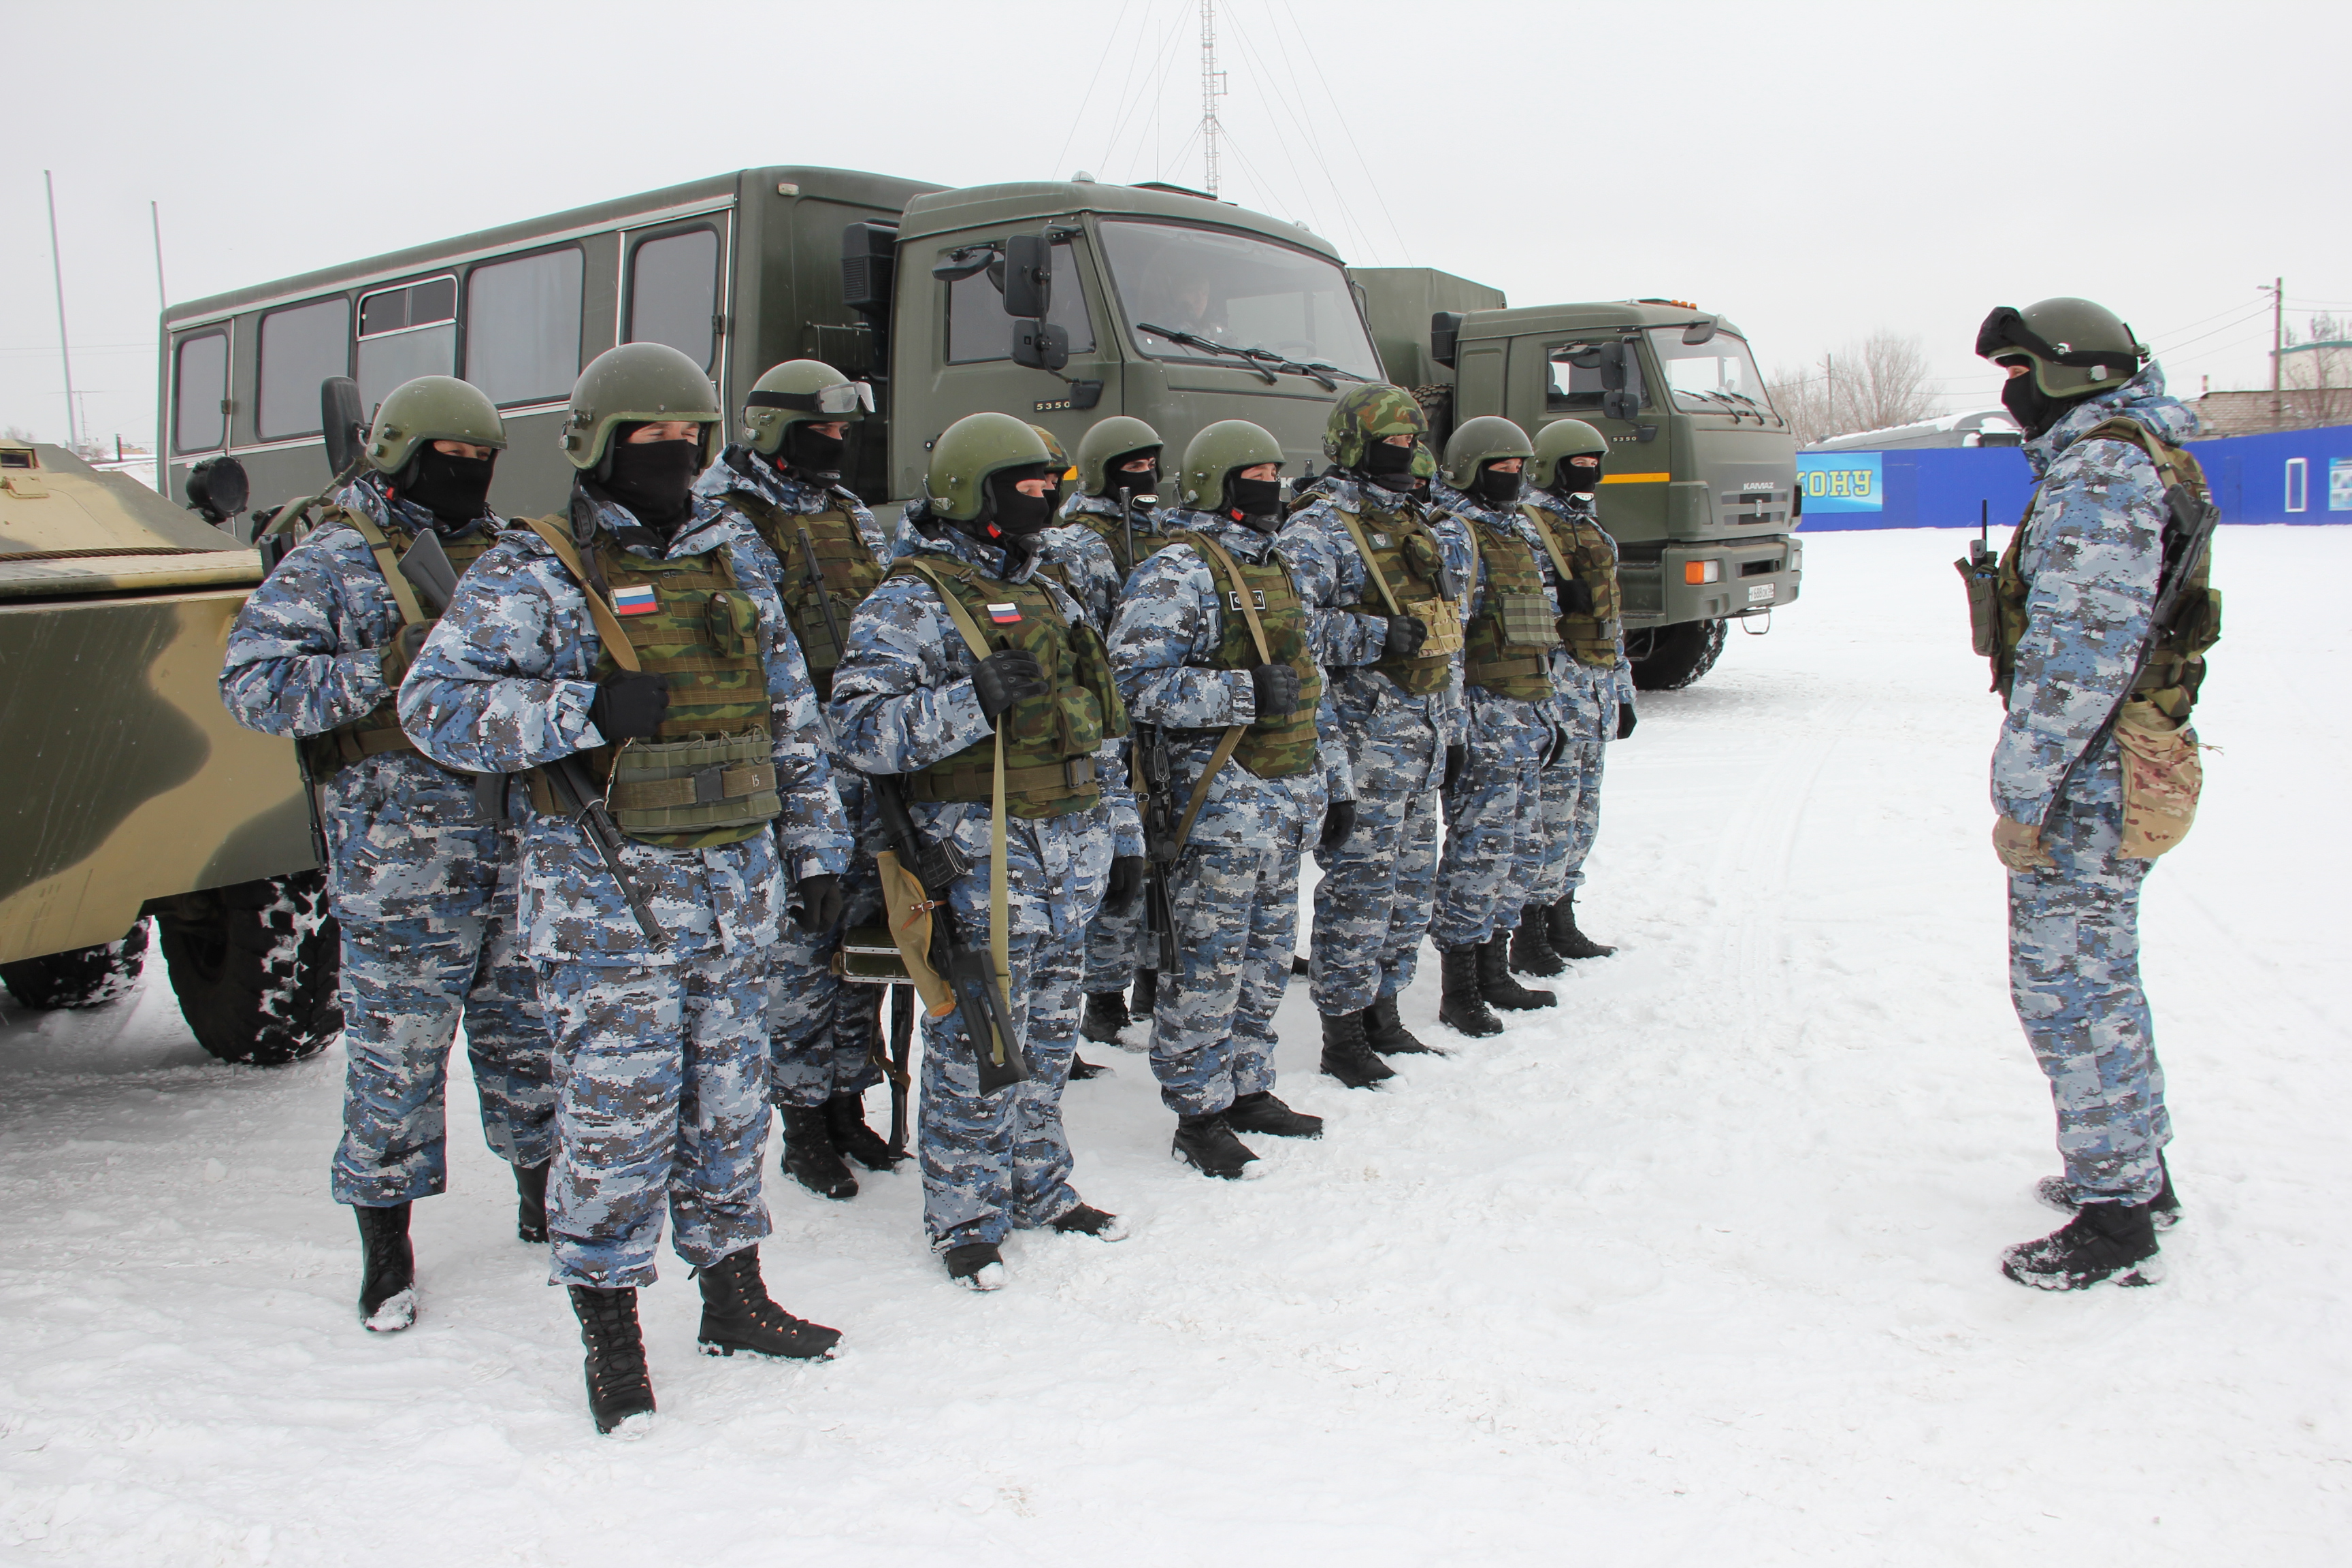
256	967
80	976
1676	655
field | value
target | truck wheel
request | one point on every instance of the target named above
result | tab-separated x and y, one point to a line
255	967
80	976
1676	656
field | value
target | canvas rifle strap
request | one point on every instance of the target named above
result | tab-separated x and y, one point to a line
1232	737
412	614
608	621
1364	549
1542	525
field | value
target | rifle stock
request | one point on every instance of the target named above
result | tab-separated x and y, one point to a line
1160	820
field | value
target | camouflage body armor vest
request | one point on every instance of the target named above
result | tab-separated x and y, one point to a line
1112	532
1504	649
1271	748
379	730
1586	568
2175	666
1406	576
848	569
1049	740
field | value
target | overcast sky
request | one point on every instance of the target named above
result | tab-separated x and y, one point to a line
1813	171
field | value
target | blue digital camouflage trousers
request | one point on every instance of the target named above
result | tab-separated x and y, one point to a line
659	1073
1372	907
1114	950
2074	972
1571	819
1237	910
1495	832
821	1031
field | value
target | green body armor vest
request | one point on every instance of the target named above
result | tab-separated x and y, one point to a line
379	730
2175	667
1112	530
1049	740
1505	647
848	568
1404	571
1581	556
1271	748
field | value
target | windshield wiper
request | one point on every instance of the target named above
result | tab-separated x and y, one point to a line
1320	371
1194	341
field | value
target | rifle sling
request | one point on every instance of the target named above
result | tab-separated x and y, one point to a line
1232	737
608	621
412	614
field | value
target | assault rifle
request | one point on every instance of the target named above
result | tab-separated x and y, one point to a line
1156	783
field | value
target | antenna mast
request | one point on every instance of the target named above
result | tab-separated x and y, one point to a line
1212	87
65	354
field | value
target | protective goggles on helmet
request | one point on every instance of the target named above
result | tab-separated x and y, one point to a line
842	397
2005	333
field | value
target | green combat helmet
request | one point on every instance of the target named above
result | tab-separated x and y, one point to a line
1216	452
1489	438
637	383
1110	441
968	451
800	392
431	408
1558	441
2075	347
1365	414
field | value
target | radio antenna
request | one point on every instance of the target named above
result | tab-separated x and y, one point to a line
65	354
1212	87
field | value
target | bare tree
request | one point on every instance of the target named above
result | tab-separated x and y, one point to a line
1873	384
2318	380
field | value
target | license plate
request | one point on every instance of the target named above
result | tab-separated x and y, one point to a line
1762	594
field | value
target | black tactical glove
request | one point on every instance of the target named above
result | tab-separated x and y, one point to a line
630	707
1624	720
1339	823
1457	758
819	902
1406	634
1006	677
1125	884
1277	690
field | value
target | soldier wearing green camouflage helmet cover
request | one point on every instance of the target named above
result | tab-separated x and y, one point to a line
420	878
1384	579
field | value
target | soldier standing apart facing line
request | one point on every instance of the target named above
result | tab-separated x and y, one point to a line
421	881
1210	648
2095	771
913	697
812	540
632	653
1494	809
1383	590
1592	681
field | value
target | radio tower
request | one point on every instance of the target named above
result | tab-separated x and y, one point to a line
1212	87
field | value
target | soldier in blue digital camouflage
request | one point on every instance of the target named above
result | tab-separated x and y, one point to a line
1384	580
1493	811
631	655
1592	684
421	875
819	548
1211	651
912	698
2094	750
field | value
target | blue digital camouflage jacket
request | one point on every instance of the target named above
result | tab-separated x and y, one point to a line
1586	698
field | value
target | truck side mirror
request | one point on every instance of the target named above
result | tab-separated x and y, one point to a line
1612	370
1028	276
341	421
1041	345
1698	333
1444	336
1620	405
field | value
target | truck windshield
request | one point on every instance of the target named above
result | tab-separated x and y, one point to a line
1236	290
1717	374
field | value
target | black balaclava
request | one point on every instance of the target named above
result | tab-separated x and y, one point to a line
1498	488
2034	410
1568	480
815	458
454	490
1254	504
1145	487
654	480
1010	511
1389	466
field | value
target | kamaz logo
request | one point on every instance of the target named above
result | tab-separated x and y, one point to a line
1257	593
1757	485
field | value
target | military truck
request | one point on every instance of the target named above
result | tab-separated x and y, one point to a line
1700	491
132	793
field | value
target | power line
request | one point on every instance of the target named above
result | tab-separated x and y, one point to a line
1339	113
1077	119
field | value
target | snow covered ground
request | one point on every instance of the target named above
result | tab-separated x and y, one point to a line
1698	1269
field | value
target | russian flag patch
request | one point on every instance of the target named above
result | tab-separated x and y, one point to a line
636	601
1004	614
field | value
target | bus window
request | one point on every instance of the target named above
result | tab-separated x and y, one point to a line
300	348
978	328
199	388
406	333
673	293
522	327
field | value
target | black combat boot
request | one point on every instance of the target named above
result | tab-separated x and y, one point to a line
1494	982
2103	1241
1105	1016
1346	1056
1262	1113
1087	1220
1386	1033
618	1387
976	1266
1531	951
810	1157
1460	1005
1566	940
1206	1142
1146	996
1082	1070
387	1269
2163	1210
530	1202
845	1119
738	1315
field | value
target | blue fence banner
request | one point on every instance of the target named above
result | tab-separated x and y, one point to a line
1841	482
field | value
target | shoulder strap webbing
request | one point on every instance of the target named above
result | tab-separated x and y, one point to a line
412	614
1542	525
1364	548
608	623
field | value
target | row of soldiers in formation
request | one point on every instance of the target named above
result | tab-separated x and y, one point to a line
617	801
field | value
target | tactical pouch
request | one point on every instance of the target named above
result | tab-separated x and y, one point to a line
2162	779
1976	573
869	955
909	909
732	621
1527	621
703	785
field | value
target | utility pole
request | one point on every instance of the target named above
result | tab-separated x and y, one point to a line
1212	87
2278	344
65	354
155	218
1829	394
